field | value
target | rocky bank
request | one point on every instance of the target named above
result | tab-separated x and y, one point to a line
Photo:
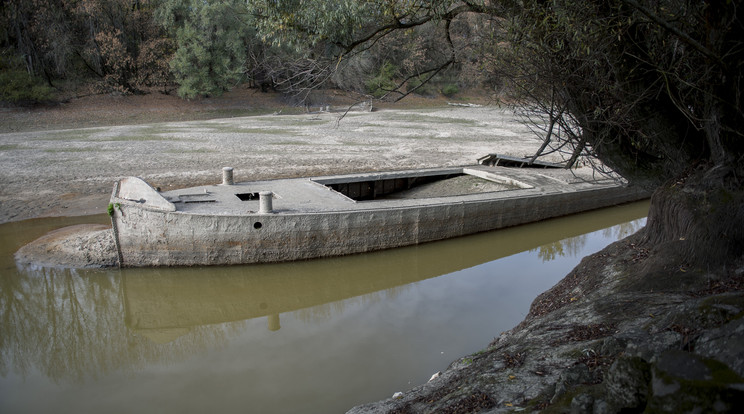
628	330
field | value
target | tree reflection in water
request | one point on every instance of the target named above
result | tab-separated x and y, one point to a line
572	246
623	230
69	325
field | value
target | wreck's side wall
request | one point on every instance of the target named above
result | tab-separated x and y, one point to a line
149	237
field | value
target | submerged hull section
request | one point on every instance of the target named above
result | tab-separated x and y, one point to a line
154	229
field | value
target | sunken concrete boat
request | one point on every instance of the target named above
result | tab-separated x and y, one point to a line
305	218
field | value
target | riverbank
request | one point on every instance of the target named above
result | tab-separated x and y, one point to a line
628	330
630	327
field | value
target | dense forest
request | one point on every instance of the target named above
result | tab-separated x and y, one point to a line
203	48
652	88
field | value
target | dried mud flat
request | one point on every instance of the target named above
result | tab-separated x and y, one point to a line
71	171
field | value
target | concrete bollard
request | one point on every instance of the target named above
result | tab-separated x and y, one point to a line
227	176
274	324
265	200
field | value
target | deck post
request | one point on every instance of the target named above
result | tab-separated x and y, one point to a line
265	199
274	324
227	176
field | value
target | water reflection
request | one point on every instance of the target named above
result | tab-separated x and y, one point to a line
573	245
74	326
68	326
163	304
623	230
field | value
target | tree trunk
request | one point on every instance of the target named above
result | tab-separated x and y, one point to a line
699	217
546	141
576	154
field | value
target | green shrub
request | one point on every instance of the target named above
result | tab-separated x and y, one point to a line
450	90
17	87
383	82
426	90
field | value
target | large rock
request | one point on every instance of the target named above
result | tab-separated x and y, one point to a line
627	383
684	382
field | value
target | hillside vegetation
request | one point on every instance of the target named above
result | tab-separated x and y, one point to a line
54	50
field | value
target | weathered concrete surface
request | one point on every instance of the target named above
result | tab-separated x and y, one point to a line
81	246
627	330
211	225
137	191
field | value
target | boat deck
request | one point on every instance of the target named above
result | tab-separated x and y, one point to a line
384	190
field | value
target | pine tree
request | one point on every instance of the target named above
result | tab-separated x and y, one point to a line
211	39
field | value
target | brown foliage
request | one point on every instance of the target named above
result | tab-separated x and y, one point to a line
115	41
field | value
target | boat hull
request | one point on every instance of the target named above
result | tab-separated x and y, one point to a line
153	237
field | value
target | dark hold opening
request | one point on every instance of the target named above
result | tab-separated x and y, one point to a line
247	196
501	160
257	225
380	189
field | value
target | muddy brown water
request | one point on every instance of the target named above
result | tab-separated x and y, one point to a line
317	336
